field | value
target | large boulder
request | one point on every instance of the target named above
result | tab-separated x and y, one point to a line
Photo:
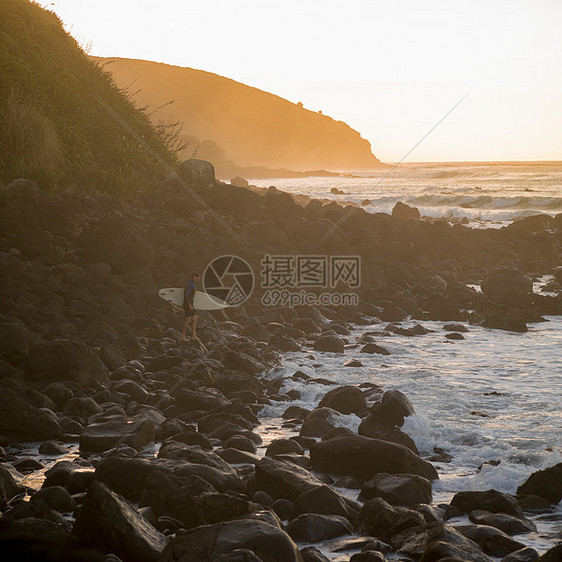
122	246
362	457
21	421
15	342
330	343
403	211
206	399
9	487
311	527
109	521
489	500
65	360
545	483
389	412
506	282
398	489
238	361
344	399
100	437
211	542
437	541
379	519
326	501
282	479
198	174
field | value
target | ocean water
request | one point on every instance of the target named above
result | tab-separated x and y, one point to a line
492	401
487	195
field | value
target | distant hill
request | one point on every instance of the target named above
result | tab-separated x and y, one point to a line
252	127
56	120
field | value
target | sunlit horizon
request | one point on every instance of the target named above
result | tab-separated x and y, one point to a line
390	70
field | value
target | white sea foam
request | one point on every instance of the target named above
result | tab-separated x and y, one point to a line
482	194
491	401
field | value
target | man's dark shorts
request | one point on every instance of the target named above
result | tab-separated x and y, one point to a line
189	313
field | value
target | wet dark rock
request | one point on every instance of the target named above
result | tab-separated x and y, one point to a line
353	363
545	483
506	523
312	554
437	541
210	542
243	362
491	540
337	432
235	456
79	480
324	500
283	446
315	427
398	489
241	442
174	450
56	497
62	359
133	389
100	437
30	528
454	336
50	448
21	421
330	343
281	479
198	174
455	328
200	399
15	342
490	500
403	211
374	348
526	554
131	477
362	457
9	487
552	555
379	519
108	520
311	527
368	556
28	464
295	412
82	407
391	410
59	393
344	399
507	282
194	438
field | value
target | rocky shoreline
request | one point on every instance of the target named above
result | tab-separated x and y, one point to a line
91	356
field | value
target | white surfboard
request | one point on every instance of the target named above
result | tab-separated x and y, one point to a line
201	301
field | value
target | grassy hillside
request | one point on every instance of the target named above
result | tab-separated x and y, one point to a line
56	120
254	128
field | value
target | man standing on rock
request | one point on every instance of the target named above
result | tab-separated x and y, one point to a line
189	309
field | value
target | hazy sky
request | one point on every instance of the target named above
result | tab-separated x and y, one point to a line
389	68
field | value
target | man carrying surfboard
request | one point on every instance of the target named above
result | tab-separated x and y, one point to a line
189	309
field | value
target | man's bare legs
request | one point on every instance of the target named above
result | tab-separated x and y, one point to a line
185	326
194	328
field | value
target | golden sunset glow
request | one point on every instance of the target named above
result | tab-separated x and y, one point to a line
389	69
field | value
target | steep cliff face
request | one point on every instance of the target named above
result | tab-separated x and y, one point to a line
254	128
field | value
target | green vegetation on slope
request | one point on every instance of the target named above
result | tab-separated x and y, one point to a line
55	125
